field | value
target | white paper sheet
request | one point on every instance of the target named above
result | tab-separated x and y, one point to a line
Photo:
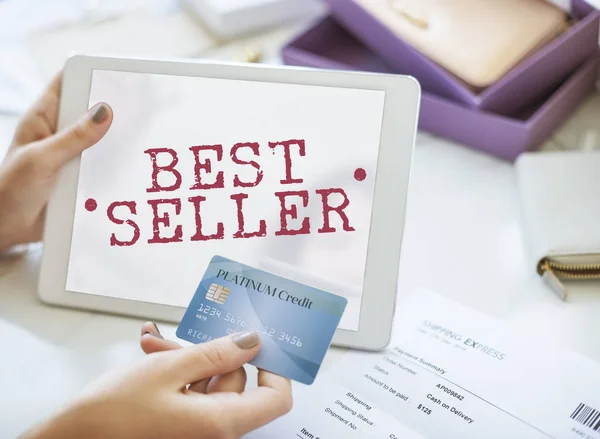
450	372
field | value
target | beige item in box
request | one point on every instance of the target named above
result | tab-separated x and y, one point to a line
476	40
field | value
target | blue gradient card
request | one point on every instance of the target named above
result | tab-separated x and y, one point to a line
296	322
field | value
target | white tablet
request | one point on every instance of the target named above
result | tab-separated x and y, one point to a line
299	172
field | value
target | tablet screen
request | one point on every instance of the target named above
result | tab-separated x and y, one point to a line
277	176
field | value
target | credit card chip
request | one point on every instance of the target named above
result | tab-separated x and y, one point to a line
217	293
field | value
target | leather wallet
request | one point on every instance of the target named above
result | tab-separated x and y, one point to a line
476	40
560	204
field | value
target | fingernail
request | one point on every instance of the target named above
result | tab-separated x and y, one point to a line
100	114
246	340
153	330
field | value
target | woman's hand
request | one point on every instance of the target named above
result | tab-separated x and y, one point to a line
152	400
31	165
234	381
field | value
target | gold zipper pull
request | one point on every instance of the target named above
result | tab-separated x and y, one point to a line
553	281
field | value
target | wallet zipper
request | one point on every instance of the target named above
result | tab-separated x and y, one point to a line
553	272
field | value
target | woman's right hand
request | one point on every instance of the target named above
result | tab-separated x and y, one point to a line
153	399
152	342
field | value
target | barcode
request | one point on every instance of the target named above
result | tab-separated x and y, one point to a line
588	416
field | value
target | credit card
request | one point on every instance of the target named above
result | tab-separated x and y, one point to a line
296	322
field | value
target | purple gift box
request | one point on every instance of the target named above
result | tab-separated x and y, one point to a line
521	87
329	45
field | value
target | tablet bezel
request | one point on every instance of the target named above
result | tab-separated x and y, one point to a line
398	133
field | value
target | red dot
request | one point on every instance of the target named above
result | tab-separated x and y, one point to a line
360	174
90	204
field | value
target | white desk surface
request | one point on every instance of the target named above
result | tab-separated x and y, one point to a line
462	239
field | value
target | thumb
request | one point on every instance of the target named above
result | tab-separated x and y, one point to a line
72	141
216	357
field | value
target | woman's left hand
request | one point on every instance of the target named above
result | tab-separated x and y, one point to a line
34	159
